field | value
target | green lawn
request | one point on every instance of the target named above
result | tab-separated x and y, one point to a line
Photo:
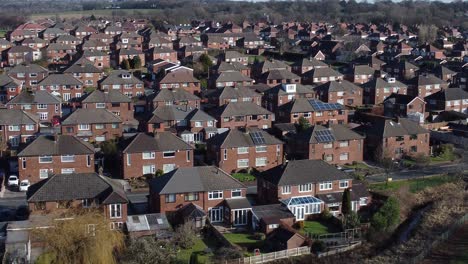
243	177
2	33
198	252
319	228
244	240
415	185
357	165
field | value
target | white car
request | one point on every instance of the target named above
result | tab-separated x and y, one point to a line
13	180
24	185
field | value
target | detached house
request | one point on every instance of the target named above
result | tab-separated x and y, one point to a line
145	154
315	111
216	193
48	155
342	92
95	125
40	104
335	144
243	114
124	82
77	191
242	149
17	126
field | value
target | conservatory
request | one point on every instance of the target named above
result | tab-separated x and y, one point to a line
303	206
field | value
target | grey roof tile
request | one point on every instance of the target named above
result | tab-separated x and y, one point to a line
64	145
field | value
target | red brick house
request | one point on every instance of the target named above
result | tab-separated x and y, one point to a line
279	76
305	65
243	114
450	99
47	155
314	111
401	105
173	97
243	149
335	144
163	53
9	88
86	72
145	154
425	84
222	202
16	127
59	53
281	94
394	138
22	54
66	86
361	74
181	78
83	31
77	191
41	104
129	54
376	90
98	58
124	82
230	66
29	75
231	78
34	43
321	75
342	92
402	70
96	125
228	95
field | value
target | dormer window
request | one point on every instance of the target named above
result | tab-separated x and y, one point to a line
126	76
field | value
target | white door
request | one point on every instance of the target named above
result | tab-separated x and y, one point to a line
240	217
216	214
299	213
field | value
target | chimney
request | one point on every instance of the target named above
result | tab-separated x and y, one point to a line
156	135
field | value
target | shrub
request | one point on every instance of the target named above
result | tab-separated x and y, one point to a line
388	216
228	253
259	236
318	246
326	215
300	225
185	235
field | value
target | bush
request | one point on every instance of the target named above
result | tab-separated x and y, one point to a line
318	246
185	235
387	217
228	253
259	236
326	215
300	225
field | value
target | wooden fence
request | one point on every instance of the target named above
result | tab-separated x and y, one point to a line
263	258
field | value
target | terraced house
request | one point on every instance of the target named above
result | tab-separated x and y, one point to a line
48	155
243	149
145	154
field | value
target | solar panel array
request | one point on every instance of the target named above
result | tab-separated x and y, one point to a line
257	138
321	106
324	136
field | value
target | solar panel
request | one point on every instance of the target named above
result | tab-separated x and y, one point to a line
257	138
320	106
324	136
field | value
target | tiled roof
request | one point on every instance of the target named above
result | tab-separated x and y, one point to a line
63	145
37	97
16	117
235	138
112	96
242	109
161	141
60	79
91	116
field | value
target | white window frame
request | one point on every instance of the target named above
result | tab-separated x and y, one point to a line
323	186
83	127
42	172
260	149
167	152
307	187
148	155
51	159
115	211
236	191
344	156
215	195
344	184
344	143
261	161
242	163
67	158
286	189
242	150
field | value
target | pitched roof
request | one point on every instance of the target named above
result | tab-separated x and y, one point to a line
60	79
174	95
179	76
63	145
277	74
17	117
311	62
27	68
303	171
426	79
338	86
233	93
76	186
448	94
82	67
363	70
112	96
379	83
322	72
235	138
174	112
116	78
338	132
91	116
389	128
194	179
161	141
232	76
395	98
230	66
301	105
37	97
242	109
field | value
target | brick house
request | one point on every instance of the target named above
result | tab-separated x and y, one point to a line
222	202
231	78
95	125
157	42
297	184
83	31
163	53
98	58
181	78
376	90
9	88
278	76
16	127
425	84
29	75
64	85
361	74
258	69
360	197
234	56
321	75
22	54
86	72
341	92
394	138
172	97
305	65
450	99
144	154
55	154
124	82
401	105
281	94
41	104
228	95
402	70
242	149
65	192
335	144
34	43
243	114
314	111
114	101
444	73
129	54
230	66
67	40
59	53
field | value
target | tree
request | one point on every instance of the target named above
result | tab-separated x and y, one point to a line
136	62
206	62
149	250
125	64
346	202
427	34
185	235
352	220
387	217
82	238
303	123
422	160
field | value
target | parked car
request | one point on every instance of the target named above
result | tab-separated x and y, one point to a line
13	180
24	185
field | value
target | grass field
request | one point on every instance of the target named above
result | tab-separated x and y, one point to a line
319	228
243	177
198	252
100	12
244	240
415	185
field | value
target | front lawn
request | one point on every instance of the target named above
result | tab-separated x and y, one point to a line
244	240
196	252
415	185
319	228
243	177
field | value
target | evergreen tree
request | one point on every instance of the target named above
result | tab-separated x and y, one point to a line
136	62
125	64
346	202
